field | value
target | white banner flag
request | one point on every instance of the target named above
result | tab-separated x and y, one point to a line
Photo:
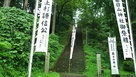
44	26
123	29
72	41
113	55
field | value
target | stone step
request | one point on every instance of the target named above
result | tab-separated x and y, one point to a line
71	75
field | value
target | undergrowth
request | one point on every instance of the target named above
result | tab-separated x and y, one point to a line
91	65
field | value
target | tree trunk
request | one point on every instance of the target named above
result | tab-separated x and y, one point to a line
25	4
54	17
6	3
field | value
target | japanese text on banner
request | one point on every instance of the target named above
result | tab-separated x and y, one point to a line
113	55
44	25
123	29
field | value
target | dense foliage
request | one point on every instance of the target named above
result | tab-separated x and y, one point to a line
91	64
99	19
55	48
15	42
15	39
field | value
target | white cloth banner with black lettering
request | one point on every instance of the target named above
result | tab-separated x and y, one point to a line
113	55
72	41
44	26
123	29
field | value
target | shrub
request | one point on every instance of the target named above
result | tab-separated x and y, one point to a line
5	46
15	35
128	65
55	48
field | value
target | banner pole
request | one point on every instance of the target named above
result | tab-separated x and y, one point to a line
33	40
131	36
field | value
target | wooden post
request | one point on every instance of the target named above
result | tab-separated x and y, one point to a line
69	67
98	56
47	61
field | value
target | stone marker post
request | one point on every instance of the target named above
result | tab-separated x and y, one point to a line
98	56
